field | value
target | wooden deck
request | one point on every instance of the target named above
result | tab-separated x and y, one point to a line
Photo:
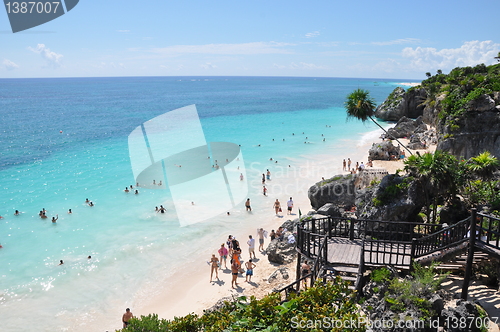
344	251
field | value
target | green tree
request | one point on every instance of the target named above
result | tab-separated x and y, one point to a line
498	57
360	105
484	166
428	74
439	175
439	71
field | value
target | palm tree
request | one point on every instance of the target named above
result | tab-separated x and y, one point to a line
428	74
438	173
484	166
498	57
360	105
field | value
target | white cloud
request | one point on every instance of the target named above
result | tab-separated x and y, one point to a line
312	34
470	53
208	65
9	65
53	58
244	48
397	42
275	65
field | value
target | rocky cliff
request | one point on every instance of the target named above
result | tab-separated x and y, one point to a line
402	103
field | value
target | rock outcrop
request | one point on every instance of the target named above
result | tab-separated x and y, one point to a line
338	191
475	132
282	250
383	151
396	198
405	127
402	103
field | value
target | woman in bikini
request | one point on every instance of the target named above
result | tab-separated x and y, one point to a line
277	206
214	261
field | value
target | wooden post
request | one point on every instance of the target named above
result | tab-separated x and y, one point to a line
470	256
351	230
298	272
412	254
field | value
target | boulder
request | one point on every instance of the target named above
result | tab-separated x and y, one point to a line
396	199
383	151
464	311
330	209
402	103
481	104
338	190
405	127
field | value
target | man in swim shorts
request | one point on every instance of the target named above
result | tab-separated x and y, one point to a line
251	246
235	267
250	266
126	317
247	205
260	233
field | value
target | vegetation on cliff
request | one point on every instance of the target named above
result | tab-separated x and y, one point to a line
458	89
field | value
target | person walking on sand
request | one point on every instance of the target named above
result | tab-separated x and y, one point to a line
260	233
289	205
241	177
126	317
235	267
348	164
250	266
264	190
251	246
223	255
277	206
247	205
343	165
214	262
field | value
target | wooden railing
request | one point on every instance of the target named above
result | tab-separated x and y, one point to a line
442	239
488	230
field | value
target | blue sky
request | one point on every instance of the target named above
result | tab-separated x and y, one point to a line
372	39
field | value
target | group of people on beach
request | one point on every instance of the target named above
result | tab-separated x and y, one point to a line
231	249
346	166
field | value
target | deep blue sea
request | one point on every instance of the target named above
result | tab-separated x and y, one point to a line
65	140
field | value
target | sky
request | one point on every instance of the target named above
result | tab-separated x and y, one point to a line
314	38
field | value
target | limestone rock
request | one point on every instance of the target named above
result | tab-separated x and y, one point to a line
338	190
382	151
402	103
483	103
405	127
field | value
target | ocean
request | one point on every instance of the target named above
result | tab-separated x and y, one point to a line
65	140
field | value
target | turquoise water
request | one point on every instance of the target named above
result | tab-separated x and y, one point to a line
65	140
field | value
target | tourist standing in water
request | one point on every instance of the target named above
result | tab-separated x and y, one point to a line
247	205
54	219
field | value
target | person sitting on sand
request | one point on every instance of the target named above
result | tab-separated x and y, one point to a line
214	264
250	266
126	317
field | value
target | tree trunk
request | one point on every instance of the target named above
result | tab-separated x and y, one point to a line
389	135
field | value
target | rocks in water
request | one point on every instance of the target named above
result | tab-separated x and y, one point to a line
383	151
338	190
402	103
